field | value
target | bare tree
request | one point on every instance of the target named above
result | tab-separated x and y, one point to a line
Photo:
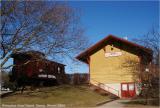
50	27
147	73
152	40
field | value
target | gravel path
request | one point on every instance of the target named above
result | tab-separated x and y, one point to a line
119	104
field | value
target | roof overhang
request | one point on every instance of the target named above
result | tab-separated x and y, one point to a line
84	56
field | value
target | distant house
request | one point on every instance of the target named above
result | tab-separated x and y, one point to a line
106	59
36	69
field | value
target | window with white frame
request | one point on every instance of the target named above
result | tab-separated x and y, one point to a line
124	87
131	86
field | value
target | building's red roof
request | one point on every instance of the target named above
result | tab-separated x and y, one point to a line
33	54
109	39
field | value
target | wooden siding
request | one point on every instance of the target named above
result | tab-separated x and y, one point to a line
110	69
30	66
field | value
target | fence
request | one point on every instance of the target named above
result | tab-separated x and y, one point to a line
78	78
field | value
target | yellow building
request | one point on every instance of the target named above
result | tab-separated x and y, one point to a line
110	66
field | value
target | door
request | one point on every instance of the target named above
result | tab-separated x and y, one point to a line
128	90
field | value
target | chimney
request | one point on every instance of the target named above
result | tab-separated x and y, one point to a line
126	38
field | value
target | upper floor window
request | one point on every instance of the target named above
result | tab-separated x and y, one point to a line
111	48
40	70
59	69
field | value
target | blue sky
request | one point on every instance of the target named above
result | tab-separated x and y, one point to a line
123	19
132	19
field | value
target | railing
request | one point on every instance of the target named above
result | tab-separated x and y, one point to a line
104	86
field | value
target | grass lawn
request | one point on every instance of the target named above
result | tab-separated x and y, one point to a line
76	96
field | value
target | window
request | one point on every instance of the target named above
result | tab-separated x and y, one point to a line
124	87
59	69
111	48
131	86
40	70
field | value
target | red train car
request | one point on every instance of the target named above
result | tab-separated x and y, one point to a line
32	67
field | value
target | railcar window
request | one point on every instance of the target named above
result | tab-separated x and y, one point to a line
59	69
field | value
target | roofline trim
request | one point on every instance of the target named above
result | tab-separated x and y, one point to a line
90	49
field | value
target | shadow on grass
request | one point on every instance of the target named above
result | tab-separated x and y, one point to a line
44	92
